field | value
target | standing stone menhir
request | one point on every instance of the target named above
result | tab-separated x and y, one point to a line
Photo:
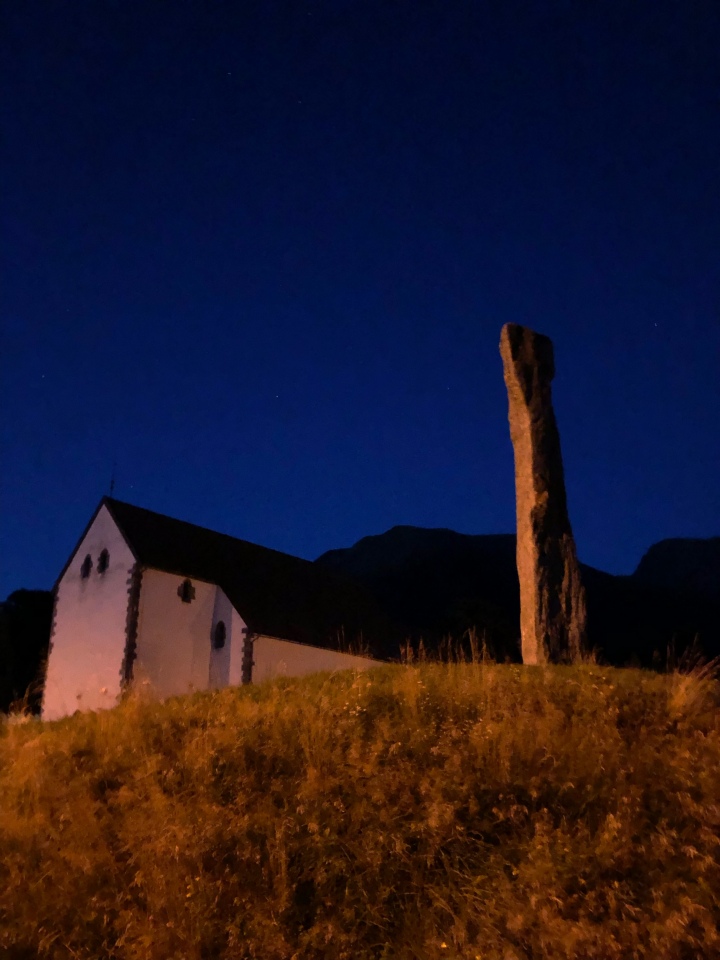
552	598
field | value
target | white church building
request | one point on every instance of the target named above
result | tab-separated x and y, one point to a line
148	599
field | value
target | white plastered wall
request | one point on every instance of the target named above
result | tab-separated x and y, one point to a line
283	658
220	660
173	637
88	641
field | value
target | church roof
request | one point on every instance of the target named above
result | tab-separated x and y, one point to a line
275	593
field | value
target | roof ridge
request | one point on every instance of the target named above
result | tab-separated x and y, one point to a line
124	504
276	593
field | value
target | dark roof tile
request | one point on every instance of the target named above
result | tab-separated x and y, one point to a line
276	594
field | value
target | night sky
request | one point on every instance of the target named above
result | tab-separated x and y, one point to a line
258	254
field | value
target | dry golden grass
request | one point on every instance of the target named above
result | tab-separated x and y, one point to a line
424	811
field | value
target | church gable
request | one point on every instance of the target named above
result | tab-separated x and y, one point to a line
90	624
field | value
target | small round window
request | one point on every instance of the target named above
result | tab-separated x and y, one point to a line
219	634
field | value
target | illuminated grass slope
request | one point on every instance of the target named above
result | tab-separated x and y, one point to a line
431	811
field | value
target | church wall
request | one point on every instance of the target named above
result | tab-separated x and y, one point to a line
277	658
174	638
88	640
220	658
171	646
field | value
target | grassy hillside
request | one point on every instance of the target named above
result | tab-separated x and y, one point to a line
430	811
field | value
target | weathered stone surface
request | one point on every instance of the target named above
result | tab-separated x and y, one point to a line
552	598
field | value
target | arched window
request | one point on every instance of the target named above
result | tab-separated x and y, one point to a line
103	561
86	567
186	591
219	634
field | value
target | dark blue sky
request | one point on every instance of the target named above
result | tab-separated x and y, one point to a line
259	254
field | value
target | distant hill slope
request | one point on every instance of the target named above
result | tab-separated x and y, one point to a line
692	566
25	621
435	582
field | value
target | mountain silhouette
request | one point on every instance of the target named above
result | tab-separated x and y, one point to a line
692	566
25	622
436	583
